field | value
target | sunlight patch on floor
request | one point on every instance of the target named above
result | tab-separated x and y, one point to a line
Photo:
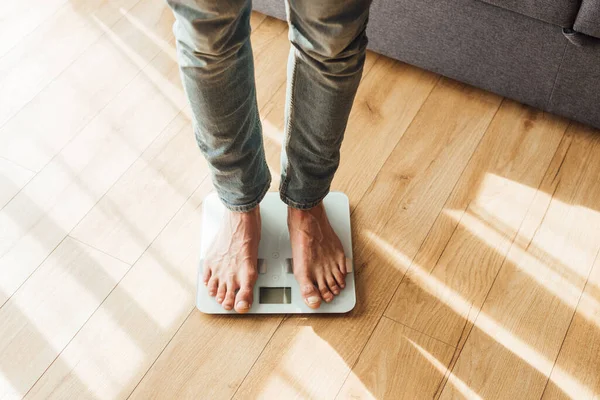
484	322
452	379
161	43
554	282
545	209
271	132
7	391
500	196
170	90
307	358
80	367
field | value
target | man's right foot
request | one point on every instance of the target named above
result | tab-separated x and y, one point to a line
230	267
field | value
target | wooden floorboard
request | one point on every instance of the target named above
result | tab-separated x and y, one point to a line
476	230
472	235
525	316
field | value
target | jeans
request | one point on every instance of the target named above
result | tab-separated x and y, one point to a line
325	64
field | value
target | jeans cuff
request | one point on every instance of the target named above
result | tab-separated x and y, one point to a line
249	206
301	206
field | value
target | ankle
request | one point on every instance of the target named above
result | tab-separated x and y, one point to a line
245	216
310	214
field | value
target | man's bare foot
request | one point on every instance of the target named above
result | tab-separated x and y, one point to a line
231	262
318	255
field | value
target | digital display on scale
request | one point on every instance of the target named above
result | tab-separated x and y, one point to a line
275	295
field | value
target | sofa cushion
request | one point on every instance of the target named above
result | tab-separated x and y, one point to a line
588	18
557	12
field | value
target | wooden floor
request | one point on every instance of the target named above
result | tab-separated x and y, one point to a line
476	229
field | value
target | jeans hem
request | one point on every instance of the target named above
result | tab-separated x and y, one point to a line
250	206
301	206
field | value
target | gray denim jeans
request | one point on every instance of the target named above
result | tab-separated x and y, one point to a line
324	69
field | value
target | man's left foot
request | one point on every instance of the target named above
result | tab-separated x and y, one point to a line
318	255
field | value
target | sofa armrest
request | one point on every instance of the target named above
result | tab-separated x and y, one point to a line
588	18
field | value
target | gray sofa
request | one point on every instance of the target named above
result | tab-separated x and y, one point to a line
545	53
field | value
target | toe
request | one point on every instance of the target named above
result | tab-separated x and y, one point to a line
221	292
230	295
339	277
243	299
245	296
325	293
332	284
341	261
212	286
205	274
311	295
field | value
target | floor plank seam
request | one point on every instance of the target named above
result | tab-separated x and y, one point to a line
32	272
160	353
259	24
418	331
15	195
98	250
26	183
18	165
566	152
355	363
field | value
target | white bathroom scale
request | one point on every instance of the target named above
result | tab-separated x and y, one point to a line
276	290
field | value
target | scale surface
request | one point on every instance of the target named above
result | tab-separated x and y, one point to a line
276	290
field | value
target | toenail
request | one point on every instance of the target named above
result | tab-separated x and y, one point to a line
307	288
219	299
313	299
243	305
